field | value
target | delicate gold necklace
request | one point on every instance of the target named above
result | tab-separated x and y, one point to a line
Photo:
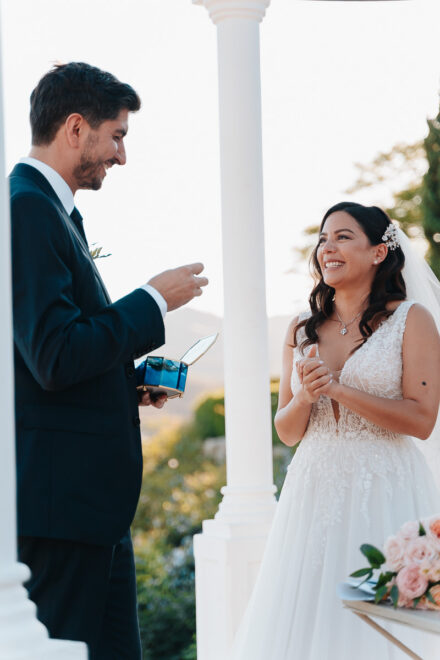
343	330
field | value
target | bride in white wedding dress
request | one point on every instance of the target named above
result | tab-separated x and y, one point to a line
361	374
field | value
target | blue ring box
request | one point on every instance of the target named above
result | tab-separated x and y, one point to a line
162	375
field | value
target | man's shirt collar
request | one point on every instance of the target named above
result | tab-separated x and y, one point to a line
57	182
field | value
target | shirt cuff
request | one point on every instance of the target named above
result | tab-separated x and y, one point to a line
158	297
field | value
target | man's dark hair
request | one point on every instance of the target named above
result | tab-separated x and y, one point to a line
77	87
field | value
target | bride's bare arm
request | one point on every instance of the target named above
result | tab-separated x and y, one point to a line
415	414
293	412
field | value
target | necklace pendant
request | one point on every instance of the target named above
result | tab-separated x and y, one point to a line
344	331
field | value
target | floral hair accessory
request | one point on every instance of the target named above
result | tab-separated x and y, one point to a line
390	238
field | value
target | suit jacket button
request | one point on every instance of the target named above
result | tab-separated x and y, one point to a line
136	421
129	370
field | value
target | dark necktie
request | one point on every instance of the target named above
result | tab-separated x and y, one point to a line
78	222
76	218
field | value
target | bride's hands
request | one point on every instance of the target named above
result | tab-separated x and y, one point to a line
315	377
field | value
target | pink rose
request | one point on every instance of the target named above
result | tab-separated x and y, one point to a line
411	582
410	530
394	551
432	527
420	549
401	601
430	567
404	602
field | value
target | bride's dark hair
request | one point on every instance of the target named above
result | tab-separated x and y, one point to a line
388	283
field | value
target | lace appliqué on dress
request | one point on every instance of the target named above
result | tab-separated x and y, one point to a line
338	457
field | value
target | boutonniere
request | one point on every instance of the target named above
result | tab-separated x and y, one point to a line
95	252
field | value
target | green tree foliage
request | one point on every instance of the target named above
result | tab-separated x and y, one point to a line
181	487
398	172
166	602
431	194
209	416
407	209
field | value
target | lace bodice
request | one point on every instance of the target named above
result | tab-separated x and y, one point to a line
346	454
376	368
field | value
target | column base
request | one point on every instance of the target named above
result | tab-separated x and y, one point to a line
22	636
247	506
227	558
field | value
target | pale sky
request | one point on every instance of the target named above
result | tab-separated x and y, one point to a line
340	82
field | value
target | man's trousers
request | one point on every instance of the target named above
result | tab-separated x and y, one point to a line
85	593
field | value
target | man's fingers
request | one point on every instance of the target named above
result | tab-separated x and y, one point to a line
156	399
160	401
196	268
201	281
179	285
158	395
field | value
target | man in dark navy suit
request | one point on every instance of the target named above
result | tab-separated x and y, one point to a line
79	459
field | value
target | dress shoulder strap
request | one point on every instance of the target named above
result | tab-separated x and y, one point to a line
398	319
303	315
301	335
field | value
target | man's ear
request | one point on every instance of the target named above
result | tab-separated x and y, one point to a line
74	126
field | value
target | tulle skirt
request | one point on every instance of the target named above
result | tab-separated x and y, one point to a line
294	612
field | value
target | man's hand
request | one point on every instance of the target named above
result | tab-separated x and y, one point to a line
179	285
152	399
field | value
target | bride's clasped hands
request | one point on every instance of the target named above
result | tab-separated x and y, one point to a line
315	376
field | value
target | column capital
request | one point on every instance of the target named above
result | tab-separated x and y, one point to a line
219	10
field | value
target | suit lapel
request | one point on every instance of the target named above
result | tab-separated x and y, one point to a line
85	249
29	172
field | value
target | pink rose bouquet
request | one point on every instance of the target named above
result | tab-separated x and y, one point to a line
410	565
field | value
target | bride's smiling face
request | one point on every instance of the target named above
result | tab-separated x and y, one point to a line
345	254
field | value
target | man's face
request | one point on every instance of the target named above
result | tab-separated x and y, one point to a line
103	147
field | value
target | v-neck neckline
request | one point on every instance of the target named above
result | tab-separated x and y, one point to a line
352	355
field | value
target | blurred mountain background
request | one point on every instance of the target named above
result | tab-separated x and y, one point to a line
183	328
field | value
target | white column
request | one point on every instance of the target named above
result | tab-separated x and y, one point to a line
229	550
22	636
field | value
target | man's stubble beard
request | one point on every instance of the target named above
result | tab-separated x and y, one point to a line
86	173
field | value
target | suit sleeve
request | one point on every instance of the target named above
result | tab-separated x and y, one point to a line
61	346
